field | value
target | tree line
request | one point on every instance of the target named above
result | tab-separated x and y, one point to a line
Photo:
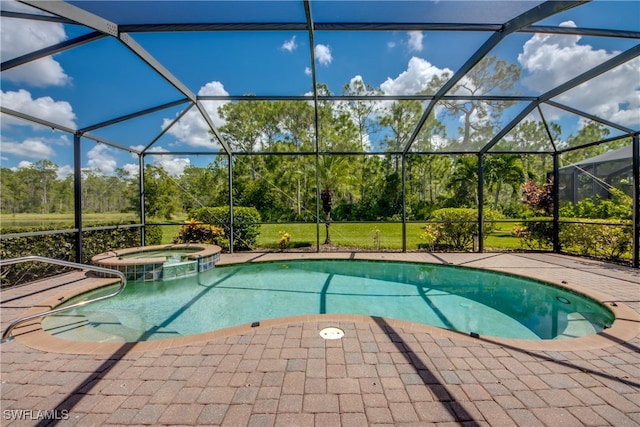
281	164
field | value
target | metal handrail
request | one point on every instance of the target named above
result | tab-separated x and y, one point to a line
6	335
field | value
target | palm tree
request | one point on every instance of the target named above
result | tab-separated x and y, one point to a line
464	181
503	169
335	177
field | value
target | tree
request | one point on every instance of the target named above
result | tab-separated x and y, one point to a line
161	194
364	115
401	119
591	132
531	135
335	178
245	127
503	169
490	76
464	182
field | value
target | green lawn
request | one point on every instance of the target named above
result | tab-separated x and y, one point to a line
64	220
362	235
352	235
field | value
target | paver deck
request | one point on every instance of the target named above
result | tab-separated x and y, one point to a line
381	373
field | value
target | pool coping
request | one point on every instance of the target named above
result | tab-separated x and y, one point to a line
112	258
623	329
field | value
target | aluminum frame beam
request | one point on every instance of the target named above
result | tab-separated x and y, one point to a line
56	126
364	97
51	50
35	17
80	16
536	14
576	81
175	82
372	26
338	26
134	115
30	118
589	116
75	14
166	129
314	81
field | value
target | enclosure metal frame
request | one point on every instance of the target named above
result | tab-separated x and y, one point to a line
67	13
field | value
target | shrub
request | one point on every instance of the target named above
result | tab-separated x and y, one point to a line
538	198
284	239
454	228
246	223
610	239
619	207
536	233
62	246
193	231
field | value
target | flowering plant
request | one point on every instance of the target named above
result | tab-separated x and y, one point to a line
284	239
194	231
429	236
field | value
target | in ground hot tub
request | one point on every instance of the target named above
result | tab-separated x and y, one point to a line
161	262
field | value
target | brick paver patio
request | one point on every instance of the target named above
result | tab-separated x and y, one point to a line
381	372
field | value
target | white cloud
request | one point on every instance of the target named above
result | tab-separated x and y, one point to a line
391	45
132	169
192	129
307	71
35	148
21	36
64	171
23	164
415	79
101	160
59	112
415	41
323	54
551	60
174	166
290	45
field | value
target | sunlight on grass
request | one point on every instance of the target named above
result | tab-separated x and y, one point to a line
349	235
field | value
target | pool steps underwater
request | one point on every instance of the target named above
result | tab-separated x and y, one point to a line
102	326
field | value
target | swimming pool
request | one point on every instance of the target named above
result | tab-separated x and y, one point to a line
160	262
462	299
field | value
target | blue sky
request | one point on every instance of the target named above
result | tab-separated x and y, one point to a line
103	79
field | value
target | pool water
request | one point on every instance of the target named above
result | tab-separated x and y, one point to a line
457	298
169	254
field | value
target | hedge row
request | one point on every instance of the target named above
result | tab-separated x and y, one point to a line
246	223
62	246
609	239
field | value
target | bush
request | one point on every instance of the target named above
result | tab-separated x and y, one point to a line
193	231
536	233
246	223
454	228
609	239
619	207
62	246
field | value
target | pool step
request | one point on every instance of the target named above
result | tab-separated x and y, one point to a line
103	326
577	325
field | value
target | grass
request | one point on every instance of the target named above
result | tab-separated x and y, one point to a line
64	220
360	235
350	235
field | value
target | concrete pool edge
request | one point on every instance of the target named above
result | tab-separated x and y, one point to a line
624	328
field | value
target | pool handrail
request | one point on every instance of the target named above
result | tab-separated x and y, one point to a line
6	335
